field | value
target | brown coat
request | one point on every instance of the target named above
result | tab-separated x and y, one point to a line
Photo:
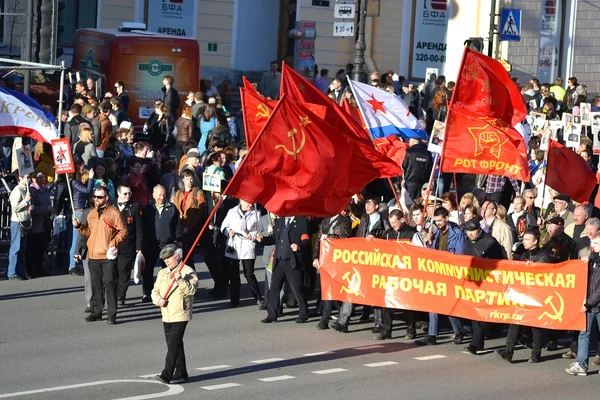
103	232
184	129
180	302
195	210
105	131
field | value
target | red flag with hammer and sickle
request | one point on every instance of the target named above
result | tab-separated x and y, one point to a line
257	110
480	136
300	165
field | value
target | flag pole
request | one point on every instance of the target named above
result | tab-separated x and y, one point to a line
243	101
546	156
435	161
208	220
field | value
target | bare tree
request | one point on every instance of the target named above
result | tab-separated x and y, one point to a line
13	7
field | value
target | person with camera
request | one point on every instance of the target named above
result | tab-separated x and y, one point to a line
174	293
336	227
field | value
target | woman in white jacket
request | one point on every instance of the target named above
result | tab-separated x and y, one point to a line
240	226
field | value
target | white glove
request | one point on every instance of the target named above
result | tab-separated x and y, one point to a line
112	253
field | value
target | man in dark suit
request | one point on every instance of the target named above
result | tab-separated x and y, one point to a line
132	245
171	98
339	226
292	245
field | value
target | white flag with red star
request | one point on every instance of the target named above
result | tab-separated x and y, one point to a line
385	113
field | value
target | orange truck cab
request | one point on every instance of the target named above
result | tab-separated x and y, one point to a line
141	60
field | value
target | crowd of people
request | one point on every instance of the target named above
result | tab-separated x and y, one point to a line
146	198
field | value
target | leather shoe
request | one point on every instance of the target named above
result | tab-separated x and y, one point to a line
426	341
162	379
410	335
383	335
146	299
268	320
458	338
339	327
88	310
180	378
301	320
376	329
111	321
121	301
92	318
262	304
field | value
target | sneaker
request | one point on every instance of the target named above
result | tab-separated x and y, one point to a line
596	361
383	335
458	338
16	278
576	369
534	359
426	341
376	329
322	325
503	354
470	350
111	321
569	355
410	335
552	346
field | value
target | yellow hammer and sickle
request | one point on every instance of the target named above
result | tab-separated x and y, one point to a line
263	111
557	316
295	150
353	283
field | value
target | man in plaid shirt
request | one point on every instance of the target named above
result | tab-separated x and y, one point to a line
498	190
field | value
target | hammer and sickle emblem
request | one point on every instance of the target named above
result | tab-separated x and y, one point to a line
557	316
353	283
263	111
295	150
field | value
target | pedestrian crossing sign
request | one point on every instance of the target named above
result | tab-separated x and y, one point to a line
510	24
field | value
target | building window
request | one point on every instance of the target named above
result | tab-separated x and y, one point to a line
76	14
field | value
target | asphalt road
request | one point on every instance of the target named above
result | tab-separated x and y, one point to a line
47	351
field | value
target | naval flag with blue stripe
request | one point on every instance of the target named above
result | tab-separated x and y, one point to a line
385	114
20	115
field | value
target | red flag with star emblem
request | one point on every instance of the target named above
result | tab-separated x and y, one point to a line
257	110
392	147
301	90
299	165
568	173
480	137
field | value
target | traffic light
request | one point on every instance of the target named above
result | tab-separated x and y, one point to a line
475	43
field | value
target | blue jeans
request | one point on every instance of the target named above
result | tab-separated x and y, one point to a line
7	158
432	330
74	240
16	253
583	343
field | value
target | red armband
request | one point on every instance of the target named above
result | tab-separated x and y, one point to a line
304	237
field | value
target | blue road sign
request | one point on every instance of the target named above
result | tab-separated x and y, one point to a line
510	24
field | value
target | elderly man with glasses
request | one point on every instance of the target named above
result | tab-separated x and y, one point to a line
105	230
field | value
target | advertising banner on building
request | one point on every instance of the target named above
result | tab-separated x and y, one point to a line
429	37
391	274
173	17
550	32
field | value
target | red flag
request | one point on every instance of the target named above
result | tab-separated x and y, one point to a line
257	110
481	145
484	87
250	87
392	147
567	173
300	165
294	85
353	111
479	136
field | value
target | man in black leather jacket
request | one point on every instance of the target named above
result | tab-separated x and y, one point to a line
533	253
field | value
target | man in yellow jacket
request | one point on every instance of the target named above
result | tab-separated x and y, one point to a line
173	292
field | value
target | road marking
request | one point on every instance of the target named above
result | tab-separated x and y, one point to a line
277	378
212	368
150	375
320	353
427	358
173	389
374	346
267	360
381	364
221	386
329	371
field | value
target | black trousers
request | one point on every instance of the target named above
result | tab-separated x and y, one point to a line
414	190
411	321
478	338
387	318
215	264
151	256
103	275
175	353
124	265
188	241
283	270
513	335
233	275
327	308
34	256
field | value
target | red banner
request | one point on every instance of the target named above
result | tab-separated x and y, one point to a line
63	159
396	275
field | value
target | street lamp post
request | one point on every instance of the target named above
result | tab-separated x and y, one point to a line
360	46
28	39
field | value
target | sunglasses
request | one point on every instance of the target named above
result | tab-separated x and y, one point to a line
99	197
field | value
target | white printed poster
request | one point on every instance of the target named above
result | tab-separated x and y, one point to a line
173	17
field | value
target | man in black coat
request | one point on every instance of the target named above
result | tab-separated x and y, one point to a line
132	245
171	98
399	231
533	253
72	127
339	226
482	245
292	245
162	226
417	166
